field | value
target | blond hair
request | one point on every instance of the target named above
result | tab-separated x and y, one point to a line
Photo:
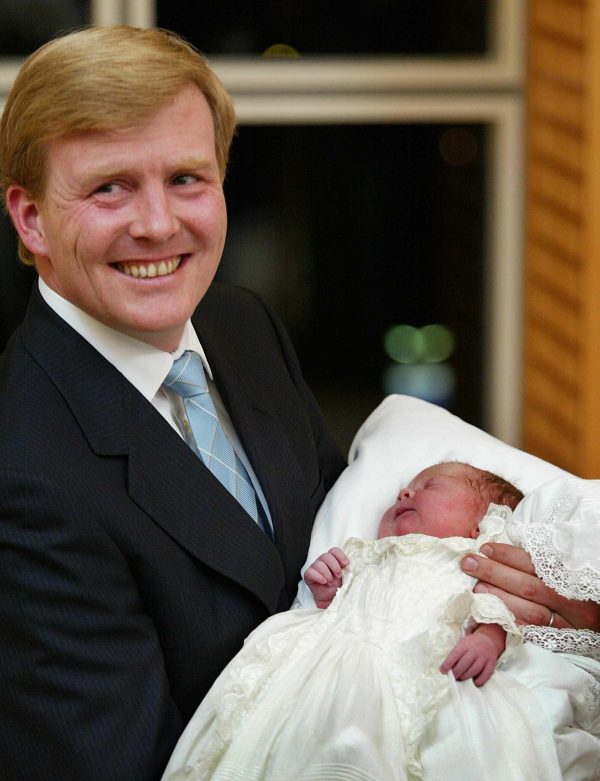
99	79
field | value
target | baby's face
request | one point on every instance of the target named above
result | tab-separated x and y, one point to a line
439	501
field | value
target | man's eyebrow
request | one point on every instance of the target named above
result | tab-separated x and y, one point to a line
194	162
94	174
104	173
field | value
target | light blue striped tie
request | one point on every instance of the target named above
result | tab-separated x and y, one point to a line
188	380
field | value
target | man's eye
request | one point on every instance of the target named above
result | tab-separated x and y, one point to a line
184	179
108	187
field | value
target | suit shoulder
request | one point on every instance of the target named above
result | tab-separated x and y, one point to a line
225	306
222	295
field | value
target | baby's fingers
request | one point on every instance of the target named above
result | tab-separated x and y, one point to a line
334	561
452	658
319	572
485	674
339	556
312	575
463	662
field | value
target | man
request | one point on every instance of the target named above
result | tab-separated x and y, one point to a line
129	573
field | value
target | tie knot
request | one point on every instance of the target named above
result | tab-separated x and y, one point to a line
187	376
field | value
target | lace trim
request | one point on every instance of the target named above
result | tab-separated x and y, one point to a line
582	584
558	526
582	642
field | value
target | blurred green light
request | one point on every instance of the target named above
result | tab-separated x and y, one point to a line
438	343
401	343
406	344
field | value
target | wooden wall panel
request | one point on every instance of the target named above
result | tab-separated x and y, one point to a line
561	396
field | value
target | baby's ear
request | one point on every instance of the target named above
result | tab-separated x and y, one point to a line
475	533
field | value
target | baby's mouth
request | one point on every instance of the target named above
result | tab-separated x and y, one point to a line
143	270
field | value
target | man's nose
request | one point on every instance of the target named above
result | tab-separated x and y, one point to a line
154	217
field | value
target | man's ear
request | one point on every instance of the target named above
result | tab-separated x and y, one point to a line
24	213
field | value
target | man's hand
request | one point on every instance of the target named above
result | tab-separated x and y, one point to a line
509	574
324	576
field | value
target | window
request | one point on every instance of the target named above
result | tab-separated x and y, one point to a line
377	151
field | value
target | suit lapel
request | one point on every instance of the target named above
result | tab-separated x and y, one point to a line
165	478
170	483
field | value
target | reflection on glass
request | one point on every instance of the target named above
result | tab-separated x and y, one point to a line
432	343
432	382
332	27
27	24
349	231
420	365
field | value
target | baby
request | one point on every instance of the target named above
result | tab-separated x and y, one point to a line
355	691
444	500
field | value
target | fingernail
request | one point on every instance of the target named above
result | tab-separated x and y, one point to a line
481	588
469	564
486	550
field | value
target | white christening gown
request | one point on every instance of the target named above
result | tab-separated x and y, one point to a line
354	692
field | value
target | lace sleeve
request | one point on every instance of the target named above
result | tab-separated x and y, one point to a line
559	526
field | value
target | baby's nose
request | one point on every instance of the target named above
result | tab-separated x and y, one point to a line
406	493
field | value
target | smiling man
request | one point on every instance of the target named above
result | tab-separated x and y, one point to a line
161	457
132	223
136	552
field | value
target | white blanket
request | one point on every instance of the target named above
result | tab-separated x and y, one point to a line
399	439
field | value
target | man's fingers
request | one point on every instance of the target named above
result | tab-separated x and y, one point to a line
514	557
526	612
515	581
509	574
499	553
528	597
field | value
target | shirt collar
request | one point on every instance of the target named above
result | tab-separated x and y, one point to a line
143	365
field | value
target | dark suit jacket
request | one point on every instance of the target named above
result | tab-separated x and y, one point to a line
128	575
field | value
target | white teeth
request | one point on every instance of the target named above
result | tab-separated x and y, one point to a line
161	269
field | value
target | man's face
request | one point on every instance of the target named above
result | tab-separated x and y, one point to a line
132	224
439	501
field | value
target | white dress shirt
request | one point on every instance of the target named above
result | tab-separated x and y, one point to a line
146	367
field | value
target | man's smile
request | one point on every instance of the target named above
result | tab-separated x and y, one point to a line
143	269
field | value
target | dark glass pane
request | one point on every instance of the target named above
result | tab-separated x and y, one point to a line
351	230
27	24
331	27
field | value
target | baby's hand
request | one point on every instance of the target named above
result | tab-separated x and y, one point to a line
475	656
324	576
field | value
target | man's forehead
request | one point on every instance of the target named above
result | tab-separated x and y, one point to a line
189	101
179	137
